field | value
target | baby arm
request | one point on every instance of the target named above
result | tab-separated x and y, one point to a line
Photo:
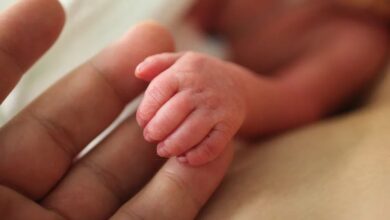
343	62
198	103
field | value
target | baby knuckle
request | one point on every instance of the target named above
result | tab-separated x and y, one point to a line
195	91
154	93
188	102
211	103
191	55
195	61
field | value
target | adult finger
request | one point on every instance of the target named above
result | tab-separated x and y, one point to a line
38	146
14	206
107	176
176	191
27	30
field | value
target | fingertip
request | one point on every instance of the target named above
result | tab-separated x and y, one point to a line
145	71
140	121
162	151
200	156
138	70
148	137
182	159
149	68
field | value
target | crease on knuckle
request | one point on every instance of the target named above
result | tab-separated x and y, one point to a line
102	74
56	132
195	61
10	205
189	67
131	214
154	93
108	180
179	183
12	61
211	103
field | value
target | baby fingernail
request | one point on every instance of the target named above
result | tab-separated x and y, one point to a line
182	159
147	136
161	151
139	68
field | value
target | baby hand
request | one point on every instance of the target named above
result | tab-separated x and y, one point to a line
193	106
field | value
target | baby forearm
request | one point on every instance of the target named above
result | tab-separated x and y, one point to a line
316	84
273	106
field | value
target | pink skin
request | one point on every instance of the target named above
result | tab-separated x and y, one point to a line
193	106
320	58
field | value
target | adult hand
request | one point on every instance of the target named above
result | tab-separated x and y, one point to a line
39	176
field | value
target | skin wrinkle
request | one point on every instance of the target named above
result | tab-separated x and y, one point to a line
168	140
181	184
107	178
61	215
155	130
130	214
56	132
102	75
207	88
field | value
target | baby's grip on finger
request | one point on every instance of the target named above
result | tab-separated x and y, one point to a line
189	134
210	148
156	95
169	117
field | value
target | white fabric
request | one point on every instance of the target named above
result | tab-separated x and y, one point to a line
90	26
